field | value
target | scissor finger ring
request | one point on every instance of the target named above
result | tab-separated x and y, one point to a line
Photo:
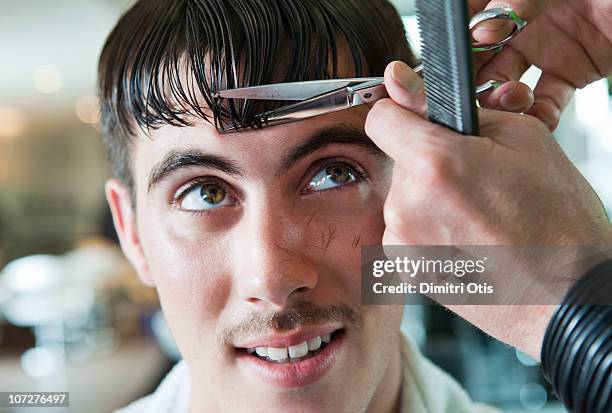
501	13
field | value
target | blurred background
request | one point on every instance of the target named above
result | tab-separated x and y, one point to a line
74	316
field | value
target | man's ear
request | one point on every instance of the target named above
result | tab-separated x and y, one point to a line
124	218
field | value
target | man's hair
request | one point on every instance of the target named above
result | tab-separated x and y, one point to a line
165	59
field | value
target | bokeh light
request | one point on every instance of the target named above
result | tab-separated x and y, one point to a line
87	109
13	122
533	397
48	79
40	361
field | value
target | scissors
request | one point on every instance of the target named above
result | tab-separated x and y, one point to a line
320	97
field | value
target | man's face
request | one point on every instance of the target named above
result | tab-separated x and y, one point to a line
253	239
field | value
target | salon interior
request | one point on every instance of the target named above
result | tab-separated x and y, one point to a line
73	314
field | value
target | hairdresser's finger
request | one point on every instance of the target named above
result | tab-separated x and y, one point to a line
386	125
508	67
552	95
496	30
510	97
505	66
399	132
405	87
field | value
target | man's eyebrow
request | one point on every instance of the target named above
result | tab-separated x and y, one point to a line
339	134
176	160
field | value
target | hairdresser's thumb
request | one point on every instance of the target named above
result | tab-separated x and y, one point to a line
405	87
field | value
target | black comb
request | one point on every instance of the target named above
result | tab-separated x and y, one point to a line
446	51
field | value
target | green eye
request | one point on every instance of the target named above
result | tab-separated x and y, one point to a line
203	197
212	194
332	176
340	174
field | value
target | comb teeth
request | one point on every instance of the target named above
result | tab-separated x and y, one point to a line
447	64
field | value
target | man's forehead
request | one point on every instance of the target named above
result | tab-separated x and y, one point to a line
276	139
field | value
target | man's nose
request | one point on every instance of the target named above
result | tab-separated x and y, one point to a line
272	268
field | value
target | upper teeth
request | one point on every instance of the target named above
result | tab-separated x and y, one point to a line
299	350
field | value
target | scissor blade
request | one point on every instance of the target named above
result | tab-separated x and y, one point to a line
320	105
293	90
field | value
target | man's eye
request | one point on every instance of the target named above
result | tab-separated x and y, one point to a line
332	176
204	196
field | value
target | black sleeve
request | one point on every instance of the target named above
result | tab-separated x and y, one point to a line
577	347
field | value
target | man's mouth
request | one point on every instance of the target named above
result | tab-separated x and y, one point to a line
296	353
297	358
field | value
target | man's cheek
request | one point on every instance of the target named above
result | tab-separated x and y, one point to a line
191	286
192	314
335	244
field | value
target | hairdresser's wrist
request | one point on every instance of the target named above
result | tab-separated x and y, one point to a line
529	336
527	324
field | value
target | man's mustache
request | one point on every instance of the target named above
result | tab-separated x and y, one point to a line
301	314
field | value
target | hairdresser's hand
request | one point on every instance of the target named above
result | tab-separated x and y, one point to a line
570	40
513	186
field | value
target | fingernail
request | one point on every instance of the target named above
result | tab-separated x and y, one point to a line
510	101
546	116
549	123
409	80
